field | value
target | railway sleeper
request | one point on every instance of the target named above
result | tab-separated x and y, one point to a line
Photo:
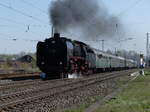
47	95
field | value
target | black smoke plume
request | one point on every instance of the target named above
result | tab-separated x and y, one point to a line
88	18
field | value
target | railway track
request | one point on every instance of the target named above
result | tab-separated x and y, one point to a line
20	99
21	85
30	85
18	75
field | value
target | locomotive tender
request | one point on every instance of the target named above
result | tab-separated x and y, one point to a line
59	56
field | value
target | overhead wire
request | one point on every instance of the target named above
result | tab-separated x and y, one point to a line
130	7
22	13
17	37
29	3
12	21
121	13
20	23
124	12
12	38
26	25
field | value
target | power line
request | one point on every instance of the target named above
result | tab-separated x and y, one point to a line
20	12
12	21
6	35
17	38
130	7
27	26
20	23
25	31
12	38
29	3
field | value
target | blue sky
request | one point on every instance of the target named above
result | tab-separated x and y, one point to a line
14	25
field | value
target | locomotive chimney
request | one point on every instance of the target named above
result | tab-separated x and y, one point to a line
56	35
52	32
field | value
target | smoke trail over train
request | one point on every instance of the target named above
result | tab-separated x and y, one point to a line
89	18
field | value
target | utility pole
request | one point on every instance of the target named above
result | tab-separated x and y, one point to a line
98	42
147	49
102	45
116	51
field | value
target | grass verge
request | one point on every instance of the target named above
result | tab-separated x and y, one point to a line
134	98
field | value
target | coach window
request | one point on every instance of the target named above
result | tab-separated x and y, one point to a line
100	56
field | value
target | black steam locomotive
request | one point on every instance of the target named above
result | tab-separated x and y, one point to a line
59	56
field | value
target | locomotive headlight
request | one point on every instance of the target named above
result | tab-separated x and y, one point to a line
53	42
42	63
60	63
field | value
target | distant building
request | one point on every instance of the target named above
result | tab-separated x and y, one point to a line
1	60
25	59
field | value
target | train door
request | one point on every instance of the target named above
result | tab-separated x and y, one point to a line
91	58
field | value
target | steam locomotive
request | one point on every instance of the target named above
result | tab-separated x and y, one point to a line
59	56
